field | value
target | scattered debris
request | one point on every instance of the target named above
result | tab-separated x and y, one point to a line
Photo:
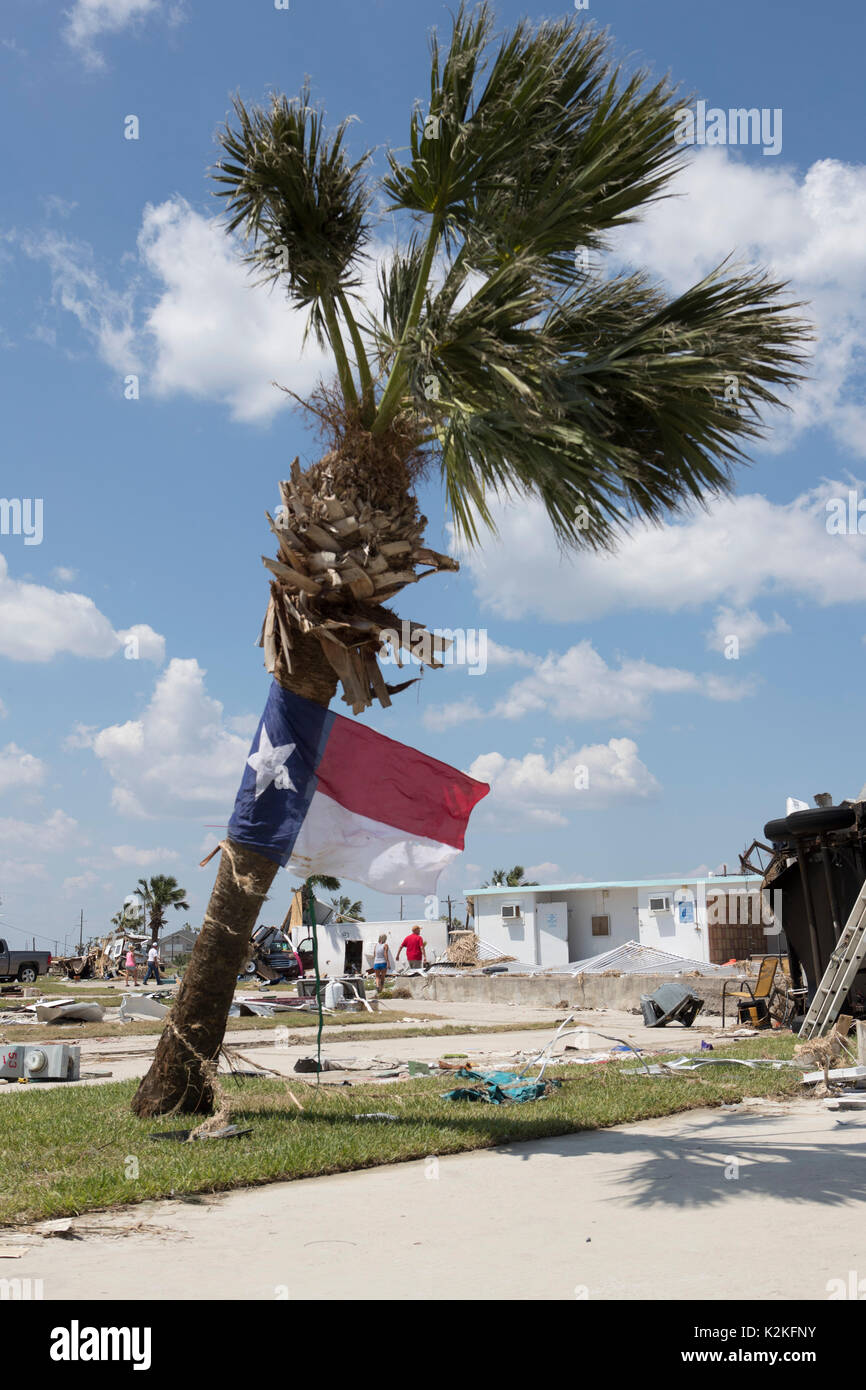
500	1087
376	1115
13	1252
840	1074
141	1006
634	959
670	1003
848	1100
182	1136
310	1064
694	1063
67	1011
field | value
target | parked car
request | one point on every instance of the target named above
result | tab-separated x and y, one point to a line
25	966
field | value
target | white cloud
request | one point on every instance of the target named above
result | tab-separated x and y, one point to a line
19	769
809	230
544	873
20	870
82	736
745	625
740	549
208	331
244	724
79	884
441	717
106	315
214	334
56	832
142	858
38	623
178	758
141	643
539	789
579	684
90	20
64	575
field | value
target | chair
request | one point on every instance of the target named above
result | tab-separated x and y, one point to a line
795	995
760	994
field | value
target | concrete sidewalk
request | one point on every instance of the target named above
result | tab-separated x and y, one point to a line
765	1201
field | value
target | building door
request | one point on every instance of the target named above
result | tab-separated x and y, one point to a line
552	927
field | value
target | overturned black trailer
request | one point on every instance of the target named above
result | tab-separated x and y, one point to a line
815	870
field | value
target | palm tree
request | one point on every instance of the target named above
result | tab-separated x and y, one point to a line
307	890
127	919
494	358
513	878
348	911
161	892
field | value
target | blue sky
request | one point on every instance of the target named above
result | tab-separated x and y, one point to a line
112	263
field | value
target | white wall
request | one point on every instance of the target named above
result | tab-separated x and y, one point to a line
508	938
664	930
619	904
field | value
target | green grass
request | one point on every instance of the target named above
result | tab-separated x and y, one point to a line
69	1151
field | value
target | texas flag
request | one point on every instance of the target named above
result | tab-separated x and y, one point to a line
324	794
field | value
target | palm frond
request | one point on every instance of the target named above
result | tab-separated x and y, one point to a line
647	407
297	199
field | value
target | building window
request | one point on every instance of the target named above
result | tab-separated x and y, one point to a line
601	926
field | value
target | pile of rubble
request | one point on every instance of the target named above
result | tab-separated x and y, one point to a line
468	949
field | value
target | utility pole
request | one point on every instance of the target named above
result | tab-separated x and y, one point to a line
401	907
81	931
449	915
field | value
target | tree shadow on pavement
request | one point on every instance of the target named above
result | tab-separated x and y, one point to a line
765	1155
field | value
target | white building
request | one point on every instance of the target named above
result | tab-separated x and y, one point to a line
706	919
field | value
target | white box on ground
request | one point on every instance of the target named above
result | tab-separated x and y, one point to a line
42	1062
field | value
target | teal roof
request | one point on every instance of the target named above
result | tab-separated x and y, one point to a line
671	882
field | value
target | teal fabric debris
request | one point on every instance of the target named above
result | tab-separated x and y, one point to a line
497	1087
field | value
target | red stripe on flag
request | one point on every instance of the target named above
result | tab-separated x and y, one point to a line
396	785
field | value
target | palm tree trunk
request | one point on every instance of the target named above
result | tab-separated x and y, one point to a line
180	1075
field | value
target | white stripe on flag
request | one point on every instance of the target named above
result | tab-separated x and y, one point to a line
335	841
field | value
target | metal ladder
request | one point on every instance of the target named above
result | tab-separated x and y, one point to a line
841	970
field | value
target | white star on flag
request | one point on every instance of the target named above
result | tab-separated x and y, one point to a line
269	764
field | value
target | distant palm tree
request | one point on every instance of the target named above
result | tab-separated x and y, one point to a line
128	919
331	885
513	878
308	889
494	359
348	911
158	893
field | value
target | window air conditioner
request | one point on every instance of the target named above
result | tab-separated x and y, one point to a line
510	912
660	904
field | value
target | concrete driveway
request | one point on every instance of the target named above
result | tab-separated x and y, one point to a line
765	1201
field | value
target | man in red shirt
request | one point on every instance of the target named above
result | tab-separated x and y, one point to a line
415	948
